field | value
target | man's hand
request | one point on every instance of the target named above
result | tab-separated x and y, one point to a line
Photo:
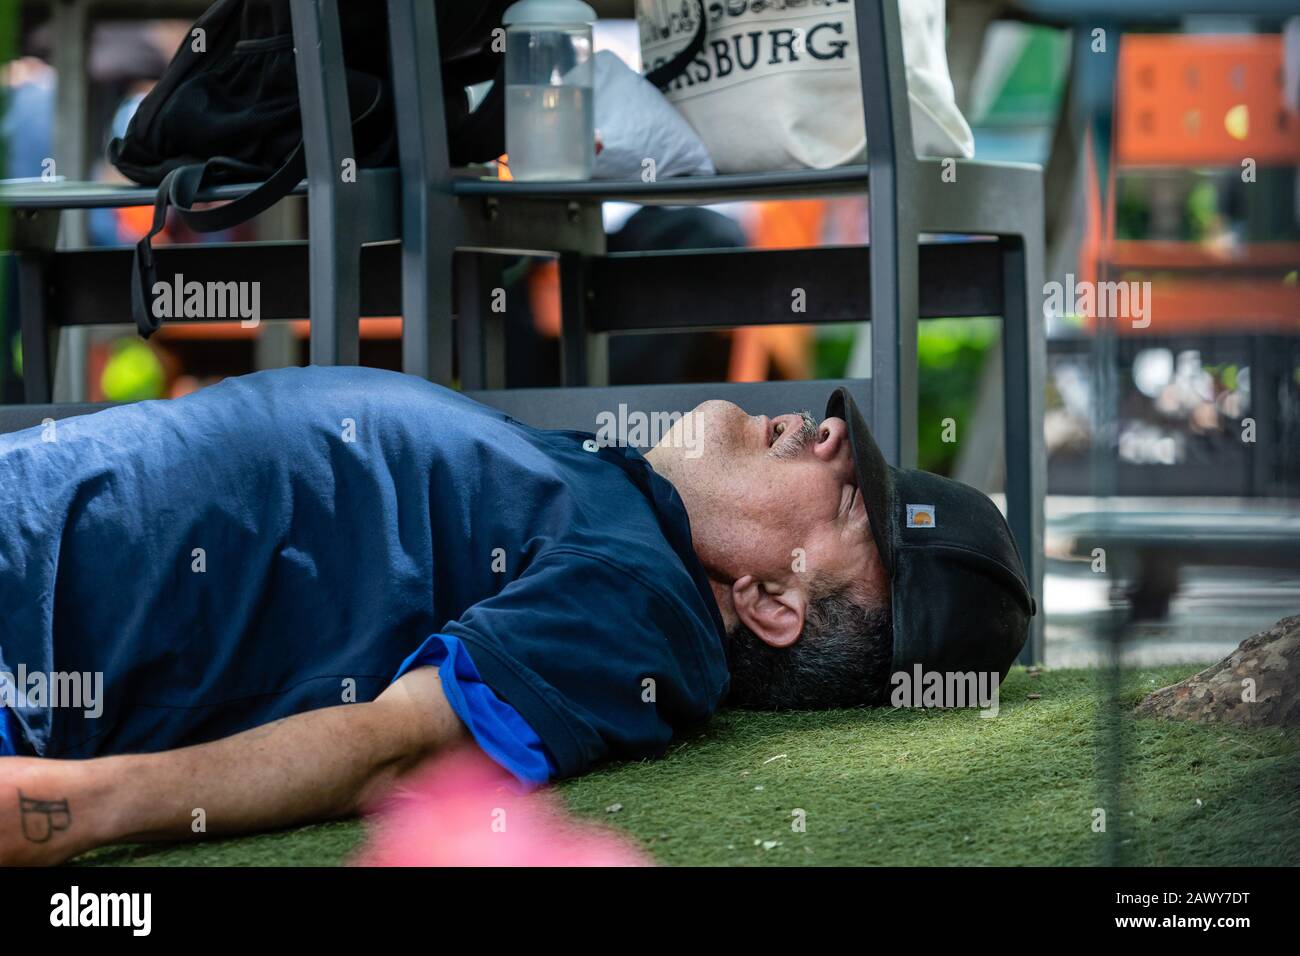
319	765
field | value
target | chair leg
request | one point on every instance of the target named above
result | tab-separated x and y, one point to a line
1024	354
480	328
430	215
335	270
333	204
584	355
893	228
427	305
38	358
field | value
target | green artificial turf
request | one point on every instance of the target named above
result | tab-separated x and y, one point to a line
910	787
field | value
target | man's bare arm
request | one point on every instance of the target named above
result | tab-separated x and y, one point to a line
319	765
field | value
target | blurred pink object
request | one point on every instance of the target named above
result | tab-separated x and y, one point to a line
461	810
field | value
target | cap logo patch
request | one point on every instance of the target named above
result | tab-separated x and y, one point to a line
920	516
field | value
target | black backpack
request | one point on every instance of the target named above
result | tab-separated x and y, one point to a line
226	111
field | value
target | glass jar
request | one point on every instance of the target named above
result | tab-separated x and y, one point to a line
550	110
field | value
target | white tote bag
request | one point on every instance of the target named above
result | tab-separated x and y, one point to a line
776	84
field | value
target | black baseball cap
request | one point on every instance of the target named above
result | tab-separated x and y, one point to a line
960	601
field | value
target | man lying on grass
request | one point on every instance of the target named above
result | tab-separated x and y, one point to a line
294	586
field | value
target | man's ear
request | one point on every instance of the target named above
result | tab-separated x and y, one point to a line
774	614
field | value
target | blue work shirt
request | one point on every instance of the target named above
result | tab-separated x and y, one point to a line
496	726
9	733
293	539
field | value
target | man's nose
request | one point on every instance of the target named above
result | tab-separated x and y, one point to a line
832	442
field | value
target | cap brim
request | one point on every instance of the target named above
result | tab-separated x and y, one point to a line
875	476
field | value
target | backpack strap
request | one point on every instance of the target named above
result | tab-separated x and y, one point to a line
675	67
178	191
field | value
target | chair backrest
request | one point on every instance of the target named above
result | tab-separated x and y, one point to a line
14	418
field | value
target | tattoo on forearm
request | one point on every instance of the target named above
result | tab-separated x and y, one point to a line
41	819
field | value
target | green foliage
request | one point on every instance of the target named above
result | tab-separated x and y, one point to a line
1202	210
831	349
950	355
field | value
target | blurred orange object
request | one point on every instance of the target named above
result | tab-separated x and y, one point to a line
1203	99
134	221
783	351
544	297
372	327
